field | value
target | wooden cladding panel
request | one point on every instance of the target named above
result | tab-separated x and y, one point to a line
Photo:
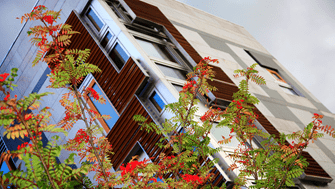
119	87
314	169
220	75
125	133
224	91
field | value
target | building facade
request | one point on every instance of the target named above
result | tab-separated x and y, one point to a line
145	49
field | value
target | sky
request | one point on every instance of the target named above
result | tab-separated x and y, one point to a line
299	34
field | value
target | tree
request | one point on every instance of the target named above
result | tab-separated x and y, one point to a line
187	166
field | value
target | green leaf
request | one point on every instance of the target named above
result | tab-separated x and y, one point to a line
309	126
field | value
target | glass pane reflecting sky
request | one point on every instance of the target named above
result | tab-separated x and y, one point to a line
4	168
121	52
95	19
157	100
105	109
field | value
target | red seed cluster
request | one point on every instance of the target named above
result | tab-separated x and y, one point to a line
93	92
238	103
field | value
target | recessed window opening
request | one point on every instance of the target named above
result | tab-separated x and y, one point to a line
119	10
177	87
95	20
155	50
276	75
157	101
118	55
218	132
108	36
288	90
172	72
136	151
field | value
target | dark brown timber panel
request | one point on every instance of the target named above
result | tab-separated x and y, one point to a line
119	87
225	91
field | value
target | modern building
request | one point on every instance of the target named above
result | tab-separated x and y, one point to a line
144	49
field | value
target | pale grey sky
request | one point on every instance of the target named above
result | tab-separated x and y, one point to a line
299	33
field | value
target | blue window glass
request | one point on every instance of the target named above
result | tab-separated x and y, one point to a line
4	168
157	101
95	19
105	109
118	55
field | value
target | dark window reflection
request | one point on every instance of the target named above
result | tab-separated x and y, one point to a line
119	56
106	39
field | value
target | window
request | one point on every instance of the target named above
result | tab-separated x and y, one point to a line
118	55
106	39
177	87
276	75
155	50
136	151
119	10
141	155
288	90
172	72
269	64
103	109
157	101
218	132
4	168
95	20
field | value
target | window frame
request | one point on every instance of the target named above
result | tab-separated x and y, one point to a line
165	44
279	78
109	43
92	106
292	91
91	25
153	105
131	153
100	36
117	9
110	48
169	47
